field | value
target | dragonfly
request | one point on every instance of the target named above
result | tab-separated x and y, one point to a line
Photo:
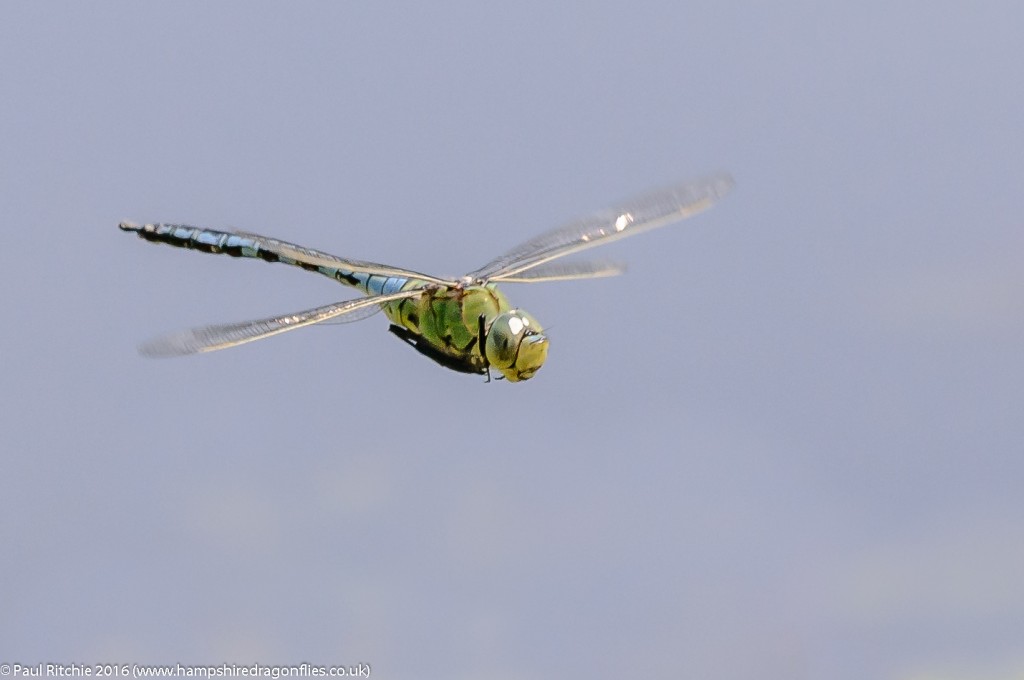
465	324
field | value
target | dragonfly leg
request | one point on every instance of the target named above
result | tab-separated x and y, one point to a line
481	342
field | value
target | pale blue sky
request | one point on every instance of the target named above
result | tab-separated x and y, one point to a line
787	444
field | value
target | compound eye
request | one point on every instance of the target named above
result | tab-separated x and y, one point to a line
503	340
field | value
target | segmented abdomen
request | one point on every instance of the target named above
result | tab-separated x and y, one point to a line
244	245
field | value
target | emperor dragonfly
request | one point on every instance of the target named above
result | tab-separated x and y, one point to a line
465	324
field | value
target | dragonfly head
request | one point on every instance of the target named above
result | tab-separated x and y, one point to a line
516	345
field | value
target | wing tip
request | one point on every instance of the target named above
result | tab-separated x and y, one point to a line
177	344
720	183
155	350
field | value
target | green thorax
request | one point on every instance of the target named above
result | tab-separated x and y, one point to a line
449	319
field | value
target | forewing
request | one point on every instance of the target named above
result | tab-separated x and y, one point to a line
209	338
320	259
634	216
564	271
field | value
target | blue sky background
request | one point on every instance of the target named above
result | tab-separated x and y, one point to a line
787	444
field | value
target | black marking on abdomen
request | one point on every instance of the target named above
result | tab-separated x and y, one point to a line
173	240
346	277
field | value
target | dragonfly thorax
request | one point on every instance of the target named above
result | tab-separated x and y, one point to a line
516	345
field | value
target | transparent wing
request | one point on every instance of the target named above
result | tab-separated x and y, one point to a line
209	338
358	315
634	216
321	259
564	271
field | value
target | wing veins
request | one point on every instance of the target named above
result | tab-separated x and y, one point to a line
633	216
222	336
564	271
321	259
